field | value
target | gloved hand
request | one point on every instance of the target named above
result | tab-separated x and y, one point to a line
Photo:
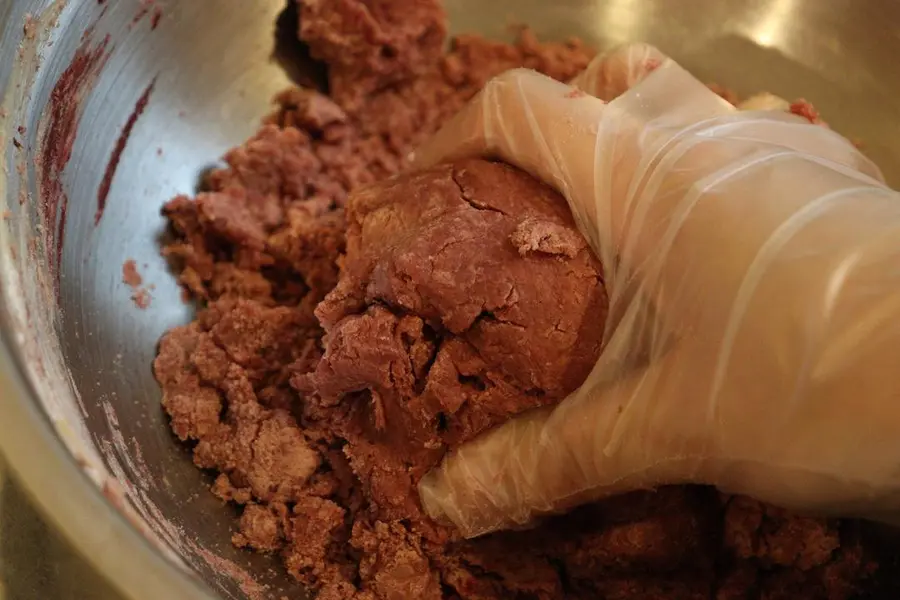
753	266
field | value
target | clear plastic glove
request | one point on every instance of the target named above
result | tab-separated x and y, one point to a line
753	267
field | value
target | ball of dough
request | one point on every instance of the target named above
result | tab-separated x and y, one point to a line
466	296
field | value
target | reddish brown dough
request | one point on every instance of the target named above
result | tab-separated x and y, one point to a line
370	44
321	438
466	296
130	274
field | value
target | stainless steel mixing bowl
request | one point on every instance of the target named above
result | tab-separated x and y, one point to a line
80	420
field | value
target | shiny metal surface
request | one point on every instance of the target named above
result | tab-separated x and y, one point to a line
216	64
35	560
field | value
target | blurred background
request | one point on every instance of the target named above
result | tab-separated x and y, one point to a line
35	562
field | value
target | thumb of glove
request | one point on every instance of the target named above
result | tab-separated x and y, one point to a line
602	440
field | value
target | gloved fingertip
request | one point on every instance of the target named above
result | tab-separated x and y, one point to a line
445	507
431	497
422	157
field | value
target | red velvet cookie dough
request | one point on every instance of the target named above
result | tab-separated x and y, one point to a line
352	327
466	296
371	44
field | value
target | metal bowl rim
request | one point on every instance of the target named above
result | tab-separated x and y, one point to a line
86	519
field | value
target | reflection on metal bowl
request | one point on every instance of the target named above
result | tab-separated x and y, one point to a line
115	107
